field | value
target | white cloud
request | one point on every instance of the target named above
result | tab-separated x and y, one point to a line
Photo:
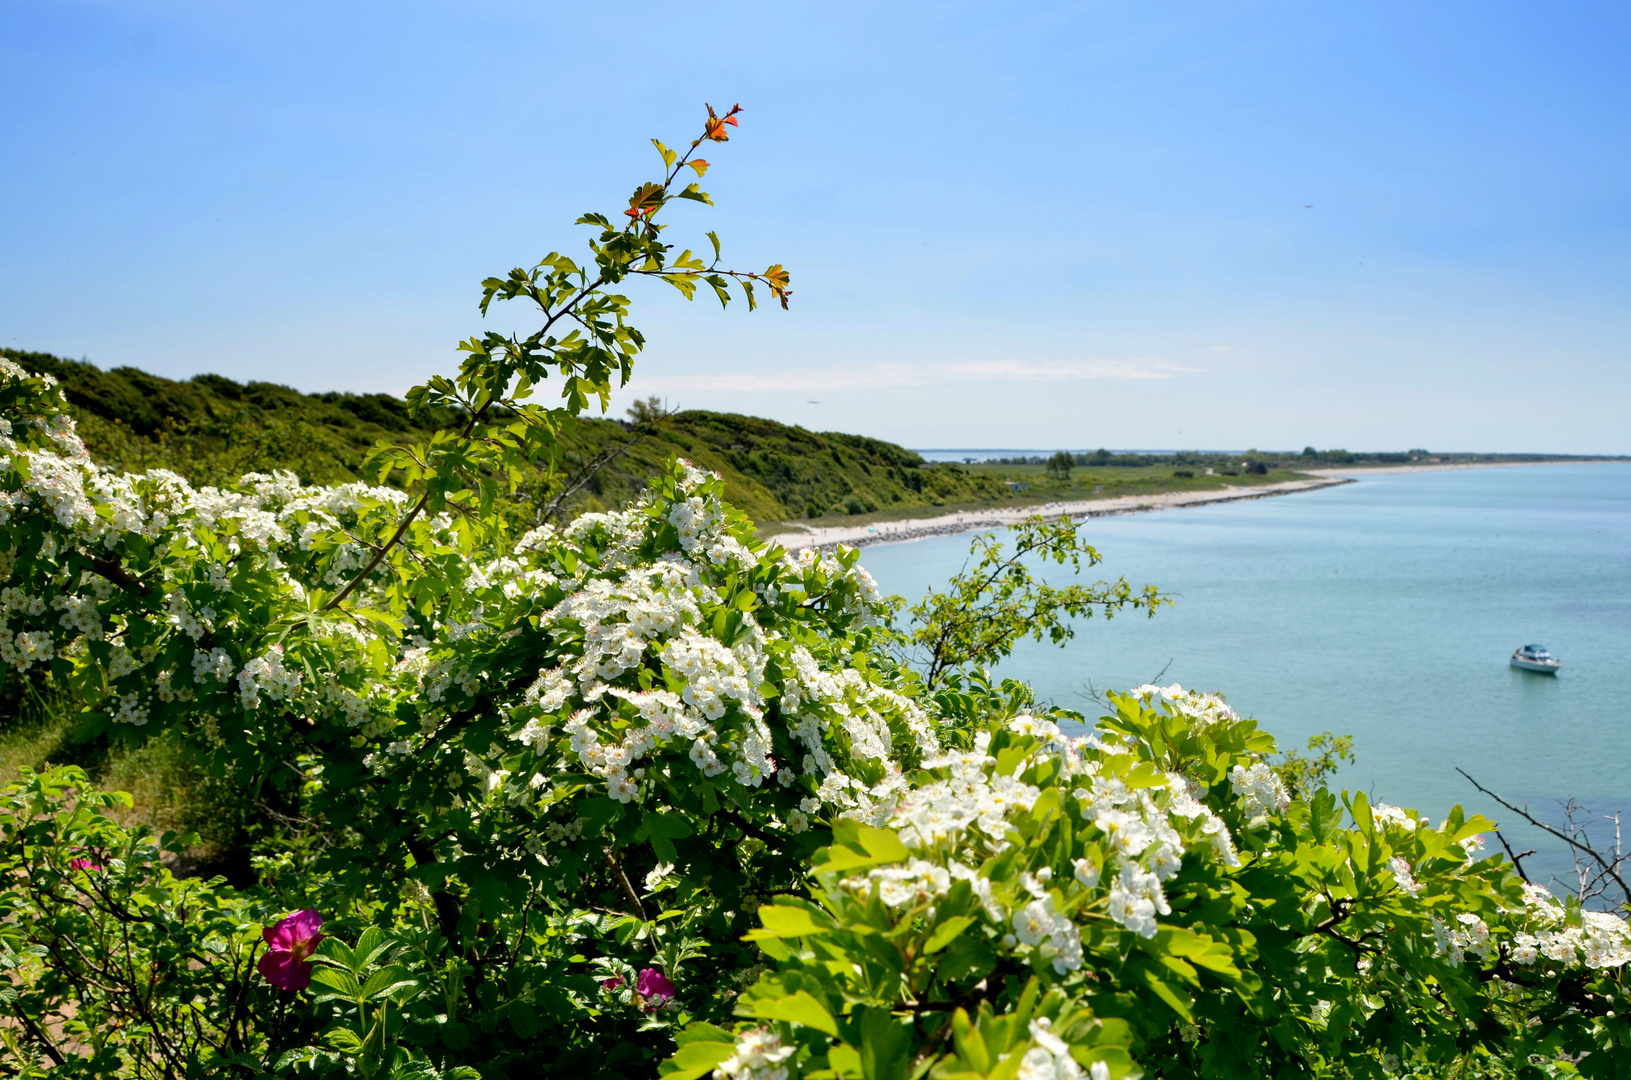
834	379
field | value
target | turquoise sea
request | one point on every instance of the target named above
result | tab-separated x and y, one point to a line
1385	609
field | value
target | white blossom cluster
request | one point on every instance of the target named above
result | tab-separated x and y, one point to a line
215	537
1600	940
1049	1058
1468	934
1594	939
631	617
1260	789
1203	710
759	1055
624	616
959	812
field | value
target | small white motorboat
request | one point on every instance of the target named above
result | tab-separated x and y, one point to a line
1536	658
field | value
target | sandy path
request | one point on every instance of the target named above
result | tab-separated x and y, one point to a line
894	532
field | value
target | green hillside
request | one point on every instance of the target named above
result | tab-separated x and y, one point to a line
211	429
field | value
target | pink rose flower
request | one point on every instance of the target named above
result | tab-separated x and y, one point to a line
612	983
84	864
288	944
654	987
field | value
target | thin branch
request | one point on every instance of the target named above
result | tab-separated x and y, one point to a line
1609	868
602	460
39	1036
1517	859
113	571
622	880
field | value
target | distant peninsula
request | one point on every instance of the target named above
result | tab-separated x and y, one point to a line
211	429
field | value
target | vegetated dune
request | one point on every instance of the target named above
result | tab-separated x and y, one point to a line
211	429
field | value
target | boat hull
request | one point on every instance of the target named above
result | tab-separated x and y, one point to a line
1541	667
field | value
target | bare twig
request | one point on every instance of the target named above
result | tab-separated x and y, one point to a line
1595	871
605	458
1091	691
1516	857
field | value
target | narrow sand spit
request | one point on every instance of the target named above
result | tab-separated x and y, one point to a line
895	532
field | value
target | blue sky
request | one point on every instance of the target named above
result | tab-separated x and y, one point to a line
1036	225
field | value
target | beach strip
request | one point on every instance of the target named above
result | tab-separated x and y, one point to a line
827	537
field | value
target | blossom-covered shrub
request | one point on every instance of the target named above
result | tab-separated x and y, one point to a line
646	696
1147	899
643	790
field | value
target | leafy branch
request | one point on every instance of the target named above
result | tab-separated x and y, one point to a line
986	611
585	339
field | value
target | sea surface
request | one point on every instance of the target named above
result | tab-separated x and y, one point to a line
1385	609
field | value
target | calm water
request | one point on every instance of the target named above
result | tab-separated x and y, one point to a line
1386	609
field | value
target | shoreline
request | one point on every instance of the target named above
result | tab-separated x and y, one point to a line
1377	470
826	537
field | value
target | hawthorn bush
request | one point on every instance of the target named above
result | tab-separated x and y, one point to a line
645	796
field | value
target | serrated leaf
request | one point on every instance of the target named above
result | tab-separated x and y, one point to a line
386	981
337	980
343	1038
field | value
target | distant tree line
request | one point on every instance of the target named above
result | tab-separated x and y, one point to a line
1061	462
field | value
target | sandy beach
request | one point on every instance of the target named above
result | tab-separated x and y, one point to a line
895	532
1377	470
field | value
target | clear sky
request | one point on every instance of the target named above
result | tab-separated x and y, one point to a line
1371	225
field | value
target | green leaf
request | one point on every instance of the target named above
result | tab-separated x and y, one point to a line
337	981
859	845
696	1059
386	981
370	945
784	920
332	948
884	1044
970	1043
844	1060
946	933
1166	992
799	1008
345	1039
662	830
524	1019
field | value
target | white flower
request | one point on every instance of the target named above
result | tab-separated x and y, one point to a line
1124	833
1401	874
1033	922
1260	788
1136	898
759	1055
